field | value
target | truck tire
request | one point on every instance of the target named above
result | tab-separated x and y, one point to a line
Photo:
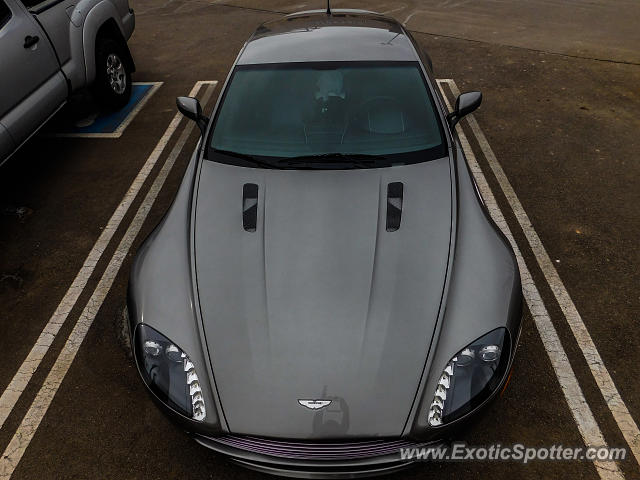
112	87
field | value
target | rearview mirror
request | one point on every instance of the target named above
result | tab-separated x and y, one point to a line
465	104
190	108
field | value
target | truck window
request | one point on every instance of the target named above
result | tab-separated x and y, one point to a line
5	13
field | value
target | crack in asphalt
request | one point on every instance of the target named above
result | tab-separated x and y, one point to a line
530	49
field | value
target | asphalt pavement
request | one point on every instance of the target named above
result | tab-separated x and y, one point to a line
559	117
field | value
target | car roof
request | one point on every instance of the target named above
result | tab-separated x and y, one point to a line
315	36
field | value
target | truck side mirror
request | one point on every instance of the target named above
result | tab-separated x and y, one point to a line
465	104
190	108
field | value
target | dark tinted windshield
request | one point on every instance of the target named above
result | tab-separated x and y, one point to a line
323	115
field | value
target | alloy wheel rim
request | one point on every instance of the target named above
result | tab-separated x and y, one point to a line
116	74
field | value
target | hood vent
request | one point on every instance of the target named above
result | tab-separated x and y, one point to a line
394	206
250	206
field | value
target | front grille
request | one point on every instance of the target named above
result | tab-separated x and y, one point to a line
315	451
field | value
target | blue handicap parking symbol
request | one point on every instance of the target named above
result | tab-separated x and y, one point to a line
108	124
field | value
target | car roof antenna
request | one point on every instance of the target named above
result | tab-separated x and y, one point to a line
328	7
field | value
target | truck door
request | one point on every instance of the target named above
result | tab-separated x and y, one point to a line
32	87
6	142
55	17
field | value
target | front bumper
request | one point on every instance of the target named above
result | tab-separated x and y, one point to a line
304	459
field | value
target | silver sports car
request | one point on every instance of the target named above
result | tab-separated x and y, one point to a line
327	288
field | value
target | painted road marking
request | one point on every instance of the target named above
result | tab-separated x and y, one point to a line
409	17
610	393
115	123
22	377
587	426
27	429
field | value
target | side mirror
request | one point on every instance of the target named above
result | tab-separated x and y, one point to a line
465	104
190	108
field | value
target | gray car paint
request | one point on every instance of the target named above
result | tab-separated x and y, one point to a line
341	37
166	257
33	71
251	318
484	290
61	62
321	301
6	142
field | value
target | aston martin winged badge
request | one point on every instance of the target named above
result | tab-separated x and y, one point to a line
314	404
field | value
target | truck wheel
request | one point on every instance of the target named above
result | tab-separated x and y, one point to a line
112	86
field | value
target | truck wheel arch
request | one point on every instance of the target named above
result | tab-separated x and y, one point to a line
102	20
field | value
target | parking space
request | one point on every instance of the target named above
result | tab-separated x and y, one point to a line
553	152
71	123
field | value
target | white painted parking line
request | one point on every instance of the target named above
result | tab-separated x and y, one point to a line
410	16
155	86
605	383
27	429
117	133
22	377
587	426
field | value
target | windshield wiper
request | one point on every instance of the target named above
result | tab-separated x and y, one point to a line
246	157
357	160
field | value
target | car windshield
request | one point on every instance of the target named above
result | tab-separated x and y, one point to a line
321	115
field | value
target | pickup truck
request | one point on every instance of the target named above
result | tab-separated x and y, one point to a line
52	48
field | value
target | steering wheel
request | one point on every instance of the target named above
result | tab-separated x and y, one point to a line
379	101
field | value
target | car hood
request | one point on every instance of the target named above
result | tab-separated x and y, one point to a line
321	302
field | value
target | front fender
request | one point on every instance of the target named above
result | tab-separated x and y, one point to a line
160	288
484	294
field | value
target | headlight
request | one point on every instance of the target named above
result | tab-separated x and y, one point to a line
169	373
470	377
